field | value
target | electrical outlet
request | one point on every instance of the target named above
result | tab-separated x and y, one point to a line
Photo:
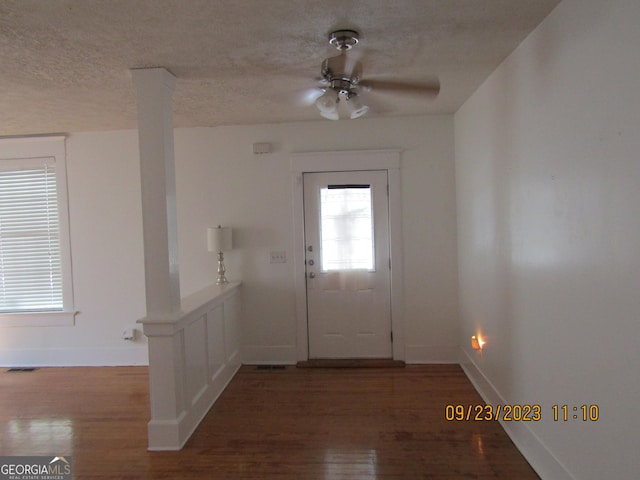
278	257
128	334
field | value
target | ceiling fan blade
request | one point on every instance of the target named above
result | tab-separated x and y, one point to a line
377	104
429	89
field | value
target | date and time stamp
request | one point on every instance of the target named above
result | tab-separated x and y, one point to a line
520	413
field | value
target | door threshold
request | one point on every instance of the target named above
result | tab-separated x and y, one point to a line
351	363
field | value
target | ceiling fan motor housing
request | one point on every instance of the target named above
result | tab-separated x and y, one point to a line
342	73
340	68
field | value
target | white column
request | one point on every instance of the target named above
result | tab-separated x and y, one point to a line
154	91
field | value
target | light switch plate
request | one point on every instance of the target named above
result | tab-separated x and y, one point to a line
279	257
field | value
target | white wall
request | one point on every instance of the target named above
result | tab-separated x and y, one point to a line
548	200
106	248
221	181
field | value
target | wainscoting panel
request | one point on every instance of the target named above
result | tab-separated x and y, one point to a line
191	360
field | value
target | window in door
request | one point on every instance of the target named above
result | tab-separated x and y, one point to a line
346	225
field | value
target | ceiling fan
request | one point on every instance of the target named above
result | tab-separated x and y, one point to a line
341	80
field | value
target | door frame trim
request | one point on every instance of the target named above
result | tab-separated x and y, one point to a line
348	161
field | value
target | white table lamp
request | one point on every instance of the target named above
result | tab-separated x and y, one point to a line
219	240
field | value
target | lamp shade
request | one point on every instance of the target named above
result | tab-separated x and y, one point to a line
219	239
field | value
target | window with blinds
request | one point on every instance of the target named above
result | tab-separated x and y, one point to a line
30	268
36	288
346	228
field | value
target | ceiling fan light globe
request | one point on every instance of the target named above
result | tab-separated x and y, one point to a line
328	101
331	115
357	113
356	108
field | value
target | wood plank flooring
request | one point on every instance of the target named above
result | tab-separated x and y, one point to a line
385	423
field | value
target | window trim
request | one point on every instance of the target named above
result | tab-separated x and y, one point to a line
52	147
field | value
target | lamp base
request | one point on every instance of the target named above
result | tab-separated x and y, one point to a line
221	280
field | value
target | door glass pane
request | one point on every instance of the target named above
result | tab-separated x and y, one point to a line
346	226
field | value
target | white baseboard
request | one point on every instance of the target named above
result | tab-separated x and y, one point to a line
417	354
546	465
269	355
74	357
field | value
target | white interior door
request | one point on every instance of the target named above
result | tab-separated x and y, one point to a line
347	264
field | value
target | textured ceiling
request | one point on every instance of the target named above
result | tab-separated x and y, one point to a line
65	64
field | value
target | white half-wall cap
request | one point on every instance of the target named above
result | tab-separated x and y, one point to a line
219	239
260	148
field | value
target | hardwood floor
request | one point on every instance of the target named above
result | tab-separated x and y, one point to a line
294	423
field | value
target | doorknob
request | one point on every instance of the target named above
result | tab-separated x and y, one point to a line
312	275
311	262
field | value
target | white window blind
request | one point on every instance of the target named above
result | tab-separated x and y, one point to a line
30	253
346	226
